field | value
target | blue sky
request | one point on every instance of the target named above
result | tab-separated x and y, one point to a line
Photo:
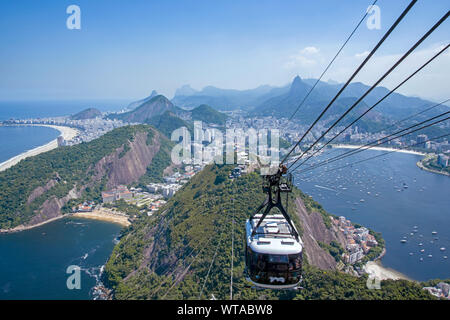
125	49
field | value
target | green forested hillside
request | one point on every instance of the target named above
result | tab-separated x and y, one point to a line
68	166
209	115
168	256
168	122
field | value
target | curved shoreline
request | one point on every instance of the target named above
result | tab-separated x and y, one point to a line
95	215
423	167
22	227
67	133
351	146
381	272
104	216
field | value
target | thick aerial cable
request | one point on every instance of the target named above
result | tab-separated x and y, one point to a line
209	270
211	264
426	35
171	273
413	115
379	141
396	123
385	153
386	35
373	106
178	279
331	62
232	255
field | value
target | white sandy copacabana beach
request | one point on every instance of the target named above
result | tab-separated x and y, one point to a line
66	132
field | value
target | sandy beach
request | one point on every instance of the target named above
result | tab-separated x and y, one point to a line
100	214
349	146
383	273
66	132
25	227
104	215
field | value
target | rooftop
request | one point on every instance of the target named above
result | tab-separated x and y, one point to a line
273	236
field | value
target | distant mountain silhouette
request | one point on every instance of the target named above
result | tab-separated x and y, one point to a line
224	99
136	104
150	108
185	90
209	115
89	113
396	106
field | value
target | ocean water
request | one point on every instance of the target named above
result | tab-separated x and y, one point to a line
390	208
33	263
18	139
42	109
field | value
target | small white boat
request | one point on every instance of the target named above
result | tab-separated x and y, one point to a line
434	232
442	249
430	256
420	244
423	250
403	241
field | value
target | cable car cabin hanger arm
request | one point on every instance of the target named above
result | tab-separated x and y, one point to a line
274	185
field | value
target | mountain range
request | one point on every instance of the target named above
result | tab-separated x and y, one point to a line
158	110
280	102
283	101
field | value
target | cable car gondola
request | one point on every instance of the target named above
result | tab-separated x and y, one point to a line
273	246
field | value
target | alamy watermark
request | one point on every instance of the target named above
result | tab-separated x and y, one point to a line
74	280
374	17
74	20
373	282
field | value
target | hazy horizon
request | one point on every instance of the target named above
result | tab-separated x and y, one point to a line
124	51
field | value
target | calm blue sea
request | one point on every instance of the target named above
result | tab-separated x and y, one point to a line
33	263
18	139
43	109
389	207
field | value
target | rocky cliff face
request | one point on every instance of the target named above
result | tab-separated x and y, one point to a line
131	166
41	190
51	208
118	168
314	231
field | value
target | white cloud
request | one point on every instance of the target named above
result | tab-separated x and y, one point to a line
362	54
303	59
309	50
299	61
